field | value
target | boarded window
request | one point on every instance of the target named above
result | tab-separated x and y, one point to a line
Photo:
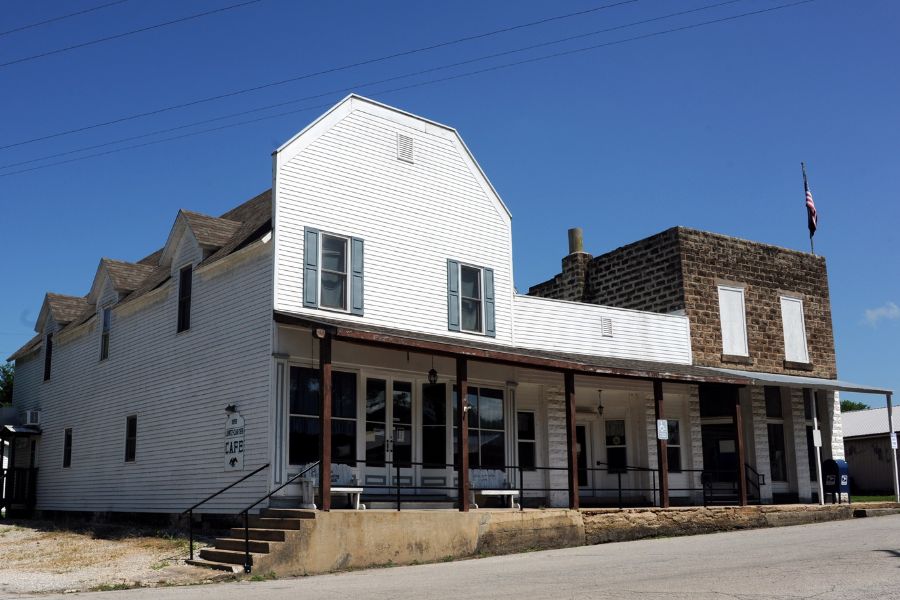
794	330
732	315
130	438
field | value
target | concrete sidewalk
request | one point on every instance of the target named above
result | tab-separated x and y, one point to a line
847	560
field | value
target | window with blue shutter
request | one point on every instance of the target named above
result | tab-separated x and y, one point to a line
453	295
471	302
333	272
311	268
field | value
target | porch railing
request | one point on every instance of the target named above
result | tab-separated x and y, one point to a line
190	511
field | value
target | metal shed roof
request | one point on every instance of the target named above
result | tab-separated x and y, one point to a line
817	383
858	423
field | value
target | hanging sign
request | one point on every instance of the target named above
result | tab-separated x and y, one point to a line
817	438
234	442
662	429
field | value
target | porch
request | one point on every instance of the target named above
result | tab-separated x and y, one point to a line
550	430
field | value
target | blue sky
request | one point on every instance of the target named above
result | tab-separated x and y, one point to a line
704	128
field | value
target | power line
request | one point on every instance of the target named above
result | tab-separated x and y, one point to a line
128	33
368	84
318	73
61	17
430	82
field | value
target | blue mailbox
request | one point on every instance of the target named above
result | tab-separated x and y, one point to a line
836	479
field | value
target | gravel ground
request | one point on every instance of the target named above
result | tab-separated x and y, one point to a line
37	557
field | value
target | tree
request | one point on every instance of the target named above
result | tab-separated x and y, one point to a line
850	405
6	382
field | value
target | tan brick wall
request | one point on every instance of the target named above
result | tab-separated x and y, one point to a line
766	272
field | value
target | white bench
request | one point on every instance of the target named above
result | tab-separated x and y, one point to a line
511	494
353	494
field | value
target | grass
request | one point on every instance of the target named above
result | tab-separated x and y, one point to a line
886	498
111	587
263	577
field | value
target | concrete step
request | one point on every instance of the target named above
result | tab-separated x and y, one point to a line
216	566
237	543
288	513
269	535
231	557
275	523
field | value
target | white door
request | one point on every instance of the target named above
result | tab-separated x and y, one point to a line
388	433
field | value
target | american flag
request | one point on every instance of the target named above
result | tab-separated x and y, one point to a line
812	217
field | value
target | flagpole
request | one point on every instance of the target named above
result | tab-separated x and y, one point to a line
812	247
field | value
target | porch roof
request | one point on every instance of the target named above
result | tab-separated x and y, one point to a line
362	333
803	382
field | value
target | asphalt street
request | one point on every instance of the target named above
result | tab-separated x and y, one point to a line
848	560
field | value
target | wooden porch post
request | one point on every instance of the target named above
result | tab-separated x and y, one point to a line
325	420
662	458
890	411
462	428
739	441
571	439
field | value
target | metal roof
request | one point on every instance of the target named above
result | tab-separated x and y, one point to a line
805	382
874	421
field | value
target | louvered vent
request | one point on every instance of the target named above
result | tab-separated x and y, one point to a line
606	327
404	147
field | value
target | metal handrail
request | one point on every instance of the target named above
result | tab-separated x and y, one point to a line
248	560
190	511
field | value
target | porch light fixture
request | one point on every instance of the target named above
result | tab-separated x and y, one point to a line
432	374
600	402
230	409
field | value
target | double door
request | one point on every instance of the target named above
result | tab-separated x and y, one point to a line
389	432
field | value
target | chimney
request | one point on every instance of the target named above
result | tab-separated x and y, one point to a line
576	240
575	268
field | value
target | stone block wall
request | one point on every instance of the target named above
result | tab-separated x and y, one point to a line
766	272
556	445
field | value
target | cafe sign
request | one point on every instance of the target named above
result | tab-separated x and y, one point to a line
234	442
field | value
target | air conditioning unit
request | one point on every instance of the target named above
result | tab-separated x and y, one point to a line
32	417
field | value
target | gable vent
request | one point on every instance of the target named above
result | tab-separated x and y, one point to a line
404	148
606	327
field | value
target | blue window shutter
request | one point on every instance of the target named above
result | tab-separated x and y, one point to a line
490	327
356	273
453	295
311	267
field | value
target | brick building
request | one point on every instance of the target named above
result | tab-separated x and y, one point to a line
754	309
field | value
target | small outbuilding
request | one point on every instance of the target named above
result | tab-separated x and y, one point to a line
867	445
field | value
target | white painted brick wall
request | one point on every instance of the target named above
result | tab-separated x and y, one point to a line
761	441
798	420
696	443
556	445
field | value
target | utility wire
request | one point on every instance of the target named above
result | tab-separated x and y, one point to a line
368	84
319	73
128	33
61	17
431	82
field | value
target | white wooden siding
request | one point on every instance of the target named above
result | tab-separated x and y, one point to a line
178	386
412	216
733	317
555	325
794	330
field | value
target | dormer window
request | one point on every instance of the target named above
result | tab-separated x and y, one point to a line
334	272
106	317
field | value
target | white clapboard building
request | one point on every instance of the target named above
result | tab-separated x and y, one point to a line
375	275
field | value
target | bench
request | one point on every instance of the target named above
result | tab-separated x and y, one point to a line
353	494
511	494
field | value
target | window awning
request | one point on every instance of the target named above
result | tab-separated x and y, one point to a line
816	383
10	431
